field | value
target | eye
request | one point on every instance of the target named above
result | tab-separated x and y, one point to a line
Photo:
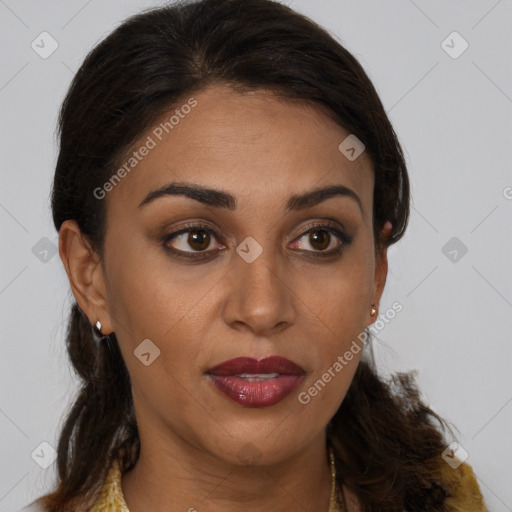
325	240
320	238
198	237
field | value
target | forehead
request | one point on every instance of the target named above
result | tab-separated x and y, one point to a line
260	147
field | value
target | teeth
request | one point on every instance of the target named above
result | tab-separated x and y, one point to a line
252	377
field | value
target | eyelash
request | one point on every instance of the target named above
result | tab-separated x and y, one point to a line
343	237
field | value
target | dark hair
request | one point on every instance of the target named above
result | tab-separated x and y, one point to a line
382	434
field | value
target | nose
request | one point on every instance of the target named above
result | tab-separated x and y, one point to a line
259	297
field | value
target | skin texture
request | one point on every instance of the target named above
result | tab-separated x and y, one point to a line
289	301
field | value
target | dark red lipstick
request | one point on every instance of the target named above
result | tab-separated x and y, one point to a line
256	383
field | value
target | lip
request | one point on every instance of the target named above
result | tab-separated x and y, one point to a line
272	364
226	377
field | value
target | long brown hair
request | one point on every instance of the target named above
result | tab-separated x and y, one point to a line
382	434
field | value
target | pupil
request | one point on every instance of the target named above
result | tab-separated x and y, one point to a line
315	238
199	242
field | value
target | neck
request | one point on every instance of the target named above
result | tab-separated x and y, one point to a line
178	476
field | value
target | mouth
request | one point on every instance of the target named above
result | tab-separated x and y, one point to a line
256	383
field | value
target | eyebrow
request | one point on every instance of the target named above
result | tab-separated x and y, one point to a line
221	199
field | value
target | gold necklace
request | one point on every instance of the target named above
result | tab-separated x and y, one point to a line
337	502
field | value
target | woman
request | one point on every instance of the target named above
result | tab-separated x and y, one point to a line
227	186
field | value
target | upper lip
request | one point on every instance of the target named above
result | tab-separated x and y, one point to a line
241	365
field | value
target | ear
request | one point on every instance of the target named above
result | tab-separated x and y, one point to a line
381	270
85	274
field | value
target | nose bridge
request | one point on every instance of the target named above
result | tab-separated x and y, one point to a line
259	296
258	267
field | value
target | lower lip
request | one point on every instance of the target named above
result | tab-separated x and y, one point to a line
261	393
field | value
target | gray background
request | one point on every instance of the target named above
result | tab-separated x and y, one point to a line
453	118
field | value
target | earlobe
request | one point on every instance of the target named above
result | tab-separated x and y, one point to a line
85	274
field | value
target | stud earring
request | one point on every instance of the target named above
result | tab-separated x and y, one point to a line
100	338
96	329
373	310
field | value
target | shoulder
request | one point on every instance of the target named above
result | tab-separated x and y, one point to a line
460	483
109	498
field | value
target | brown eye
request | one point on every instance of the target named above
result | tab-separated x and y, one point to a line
198	240
190	240
319	239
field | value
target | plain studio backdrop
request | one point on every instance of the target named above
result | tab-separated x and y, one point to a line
442	70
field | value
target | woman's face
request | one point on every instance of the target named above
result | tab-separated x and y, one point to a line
253	284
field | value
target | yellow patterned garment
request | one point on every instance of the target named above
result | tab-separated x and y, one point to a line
110	498
465	495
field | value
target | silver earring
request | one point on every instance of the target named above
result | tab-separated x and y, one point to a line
96	329
100	338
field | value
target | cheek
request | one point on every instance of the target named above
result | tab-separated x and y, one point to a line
149	295
154	299
340	296
334	321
